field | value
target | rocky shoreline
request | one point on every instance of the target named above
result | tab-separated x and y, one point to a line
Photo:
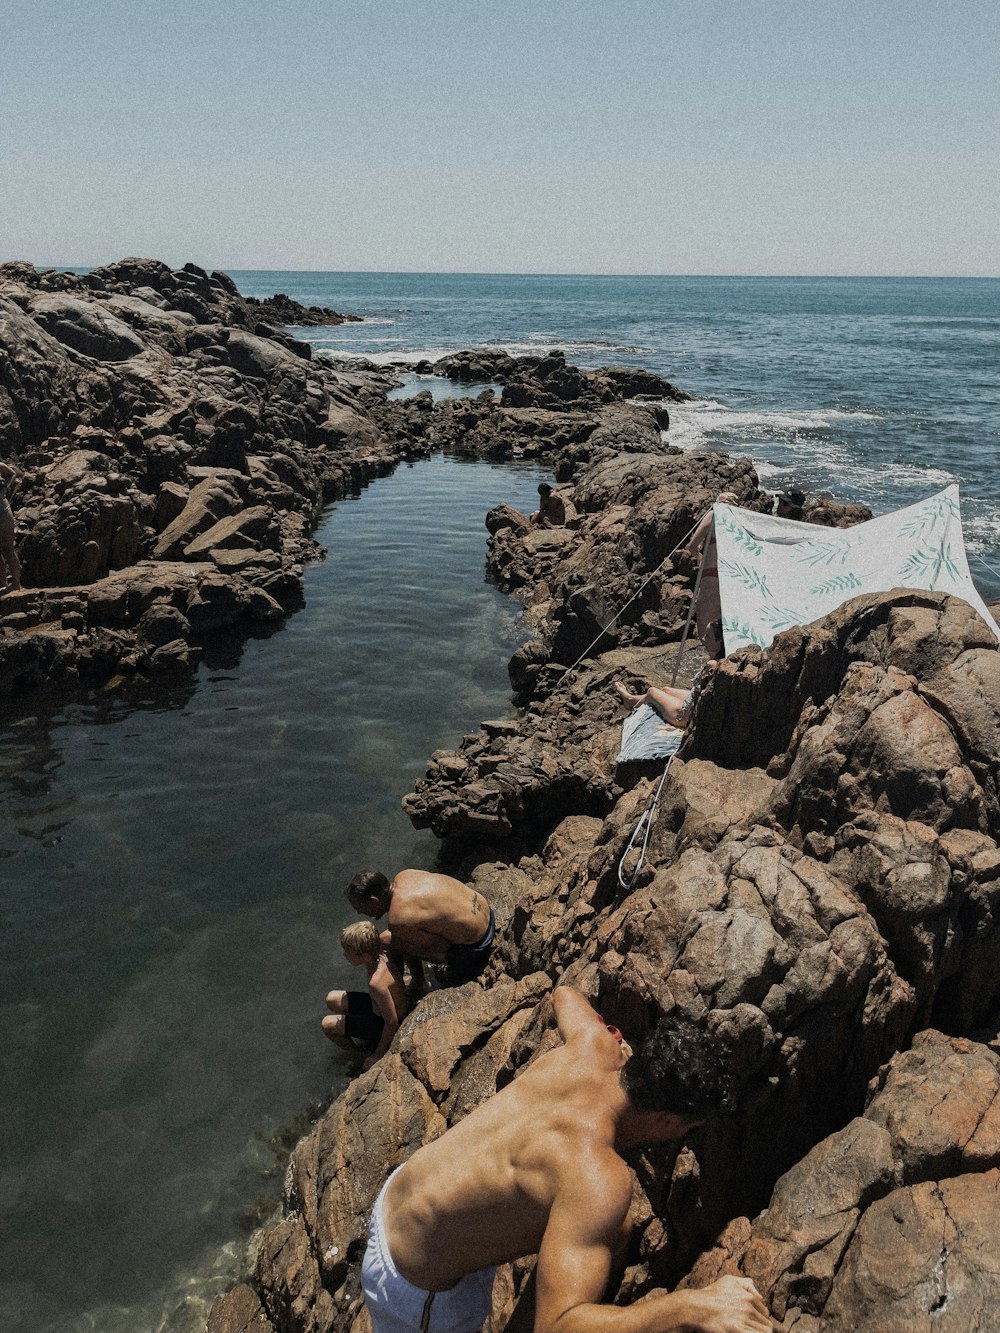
174	453
822	880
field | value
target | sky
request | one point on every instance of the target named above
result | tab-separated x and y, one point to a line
557	136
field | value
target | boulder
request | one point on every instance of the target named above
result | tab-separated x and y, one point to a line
86	327
890	1220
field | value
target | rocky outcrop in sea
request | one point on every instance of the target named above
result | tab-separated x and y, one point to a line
821	881
174	451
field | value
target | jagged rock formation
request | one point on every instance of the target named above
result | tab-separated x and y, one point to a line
892	1222
822	882
280	310
174	451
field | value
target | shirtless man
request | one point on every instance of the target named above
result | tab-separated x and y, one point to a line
433	918
551	511
536	1170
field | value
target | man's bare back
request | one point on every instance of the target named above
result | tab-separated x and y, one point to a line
536	1169
429	912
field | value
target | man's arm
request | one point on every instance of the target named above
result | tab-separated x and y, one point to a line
585	1229
410	941
700	534
575	1016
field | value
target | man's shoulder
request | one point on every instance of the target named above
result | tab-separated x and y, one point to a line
594	1183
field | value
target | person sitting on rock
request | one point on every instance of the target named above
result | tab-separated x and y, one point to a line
791	504
537	1169
702	547
431	918
551	511
7	549
673	705
370	1016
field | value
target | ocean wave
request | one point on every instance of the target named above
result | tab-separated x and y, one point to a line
692	423
552	340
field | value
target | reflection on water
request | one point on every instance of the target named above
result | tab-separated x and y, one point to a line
171	895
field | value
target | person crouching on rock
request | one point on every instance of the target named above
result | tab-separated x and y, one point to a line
673	705
538	1169
431	919
7	551
551	511
370	1016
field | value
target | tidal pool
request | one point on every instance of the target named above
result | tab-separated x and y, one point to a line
171	879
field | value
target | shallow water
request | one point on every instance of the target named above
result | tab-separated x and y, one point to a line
171	895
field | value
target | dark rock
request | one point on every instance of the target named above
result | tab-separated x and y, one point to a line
85	327
892	1216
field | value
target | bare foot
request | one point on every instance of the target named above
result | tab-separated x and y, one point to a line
627	696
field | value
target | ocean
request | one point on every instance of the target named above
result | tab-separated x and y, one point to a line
878	390
171	871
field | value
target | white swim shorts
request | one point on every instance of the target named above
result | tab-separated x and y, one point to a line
397	1306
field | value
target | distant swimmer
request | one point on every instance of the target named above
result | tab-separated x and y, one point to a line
537	1169
372	1016
431	918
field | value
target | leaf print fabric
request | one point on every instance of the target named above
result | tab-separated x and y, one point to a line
776	572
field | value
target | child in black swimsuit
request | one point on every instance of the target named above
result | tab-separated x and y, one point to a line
372	1016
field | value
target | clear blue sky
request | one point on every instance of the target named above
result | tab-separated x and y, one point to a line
604	136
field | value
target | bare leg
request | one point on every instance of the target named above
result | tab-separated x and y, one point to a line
665	699
333	1027
336	1001
668	702
633	700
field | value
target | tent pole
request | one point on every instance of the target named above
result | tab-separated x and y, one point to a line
690	616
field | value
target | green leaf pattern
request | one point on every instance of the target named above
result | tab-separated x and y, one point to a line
745	631
937	510
843	583
824	552
927	562
743	539
852	562
748	577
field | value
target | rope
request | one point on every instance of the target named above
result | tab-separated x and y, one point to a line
645	823
995	572
569	670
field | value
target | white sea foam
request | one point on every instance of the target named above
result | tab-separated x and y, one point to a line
706	423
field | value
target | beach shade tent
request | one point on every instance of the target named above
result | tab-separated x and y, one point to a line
775	572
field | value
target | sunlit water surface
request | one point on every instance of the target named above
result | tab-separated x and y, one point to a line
171	882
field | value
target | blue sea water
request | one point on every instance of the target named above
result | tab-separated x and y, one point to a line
880	390
170	873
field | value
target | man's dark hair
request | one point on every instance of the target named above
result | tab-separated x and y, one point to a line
544	488
680	1069
368	884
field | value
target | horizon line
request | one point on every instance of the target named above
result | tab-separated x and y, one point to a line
547	273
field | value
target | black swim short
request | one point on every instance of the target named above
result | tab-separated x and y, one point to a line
466	961
361	1022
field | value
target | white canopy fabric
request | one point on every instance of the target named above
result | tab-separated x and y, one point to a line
774	572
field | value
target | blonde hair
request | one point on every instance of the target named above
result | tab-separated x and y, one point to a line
361	940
